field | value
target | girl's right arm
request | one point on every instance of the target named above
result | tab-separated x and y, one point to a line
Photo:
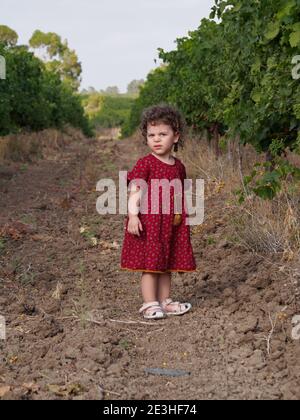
134	223
141	170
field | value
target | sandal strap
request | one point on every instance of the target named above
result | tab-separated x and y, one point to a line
154	304
168	301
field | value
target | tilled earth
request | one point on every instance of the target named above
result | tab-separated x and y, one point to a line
72	325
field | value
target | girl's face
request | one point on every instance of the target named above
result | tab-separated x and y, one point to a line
160	138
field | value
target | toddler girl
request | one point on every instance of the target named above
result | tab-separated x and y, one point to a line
157	243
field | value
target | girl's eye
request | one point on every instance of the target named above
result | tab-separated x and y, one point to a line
160	134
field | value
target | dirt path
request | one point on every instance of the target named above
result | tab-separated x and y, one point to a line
53	279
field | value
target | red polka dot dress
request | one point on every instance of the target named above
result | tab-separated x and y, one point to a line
162	245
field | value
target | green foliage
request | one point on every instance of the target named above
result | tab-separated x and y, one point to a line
235	76
154	91
266	182
107	111
33	97
112	91
61	59
134	86
8	36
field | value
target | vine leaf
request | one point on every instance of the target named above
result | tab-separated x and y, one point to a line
286	10
272	30
295	36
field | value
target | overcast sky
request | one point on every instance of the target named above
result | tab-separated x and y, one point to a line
116	40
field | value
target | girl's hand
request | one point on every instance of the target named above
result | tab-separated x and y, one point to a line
134	224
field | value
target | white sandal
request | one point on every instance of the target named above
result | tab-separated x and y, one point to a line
182	308
156	313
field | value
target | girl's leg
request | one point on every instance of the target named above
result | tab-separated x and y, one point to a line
149	287
163	292
164	286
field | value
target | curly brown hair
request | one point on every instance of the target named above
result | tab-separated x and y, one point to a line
166	114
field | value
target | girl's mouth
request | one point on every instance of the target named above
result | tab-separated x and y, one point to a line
157	147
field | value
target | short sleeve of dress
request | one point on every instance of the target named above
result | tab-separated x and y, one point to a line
139	171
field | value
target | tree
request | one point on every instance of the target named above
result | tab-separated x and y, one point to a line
8	36
112	90
154	91
233	78
91	90
33	97
57	56
133	87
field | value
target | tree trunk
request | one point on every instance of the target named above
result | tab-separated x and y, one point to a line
269	158
240	163
216	139
229	150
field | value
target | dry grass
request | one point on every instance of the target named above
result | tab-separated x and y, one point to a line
108	133
219	174
268	226
29	147
260	225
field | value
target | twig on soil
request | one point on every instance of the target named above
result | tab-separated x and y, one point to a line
43	375
273	326
132	322
109	392
155	331
113	320
91	320
269	337
63	318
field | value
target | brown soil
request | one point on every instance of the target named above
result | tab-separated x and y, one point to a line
53	279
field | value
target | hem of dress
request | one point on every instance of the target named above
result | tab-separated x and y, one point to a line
154	271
